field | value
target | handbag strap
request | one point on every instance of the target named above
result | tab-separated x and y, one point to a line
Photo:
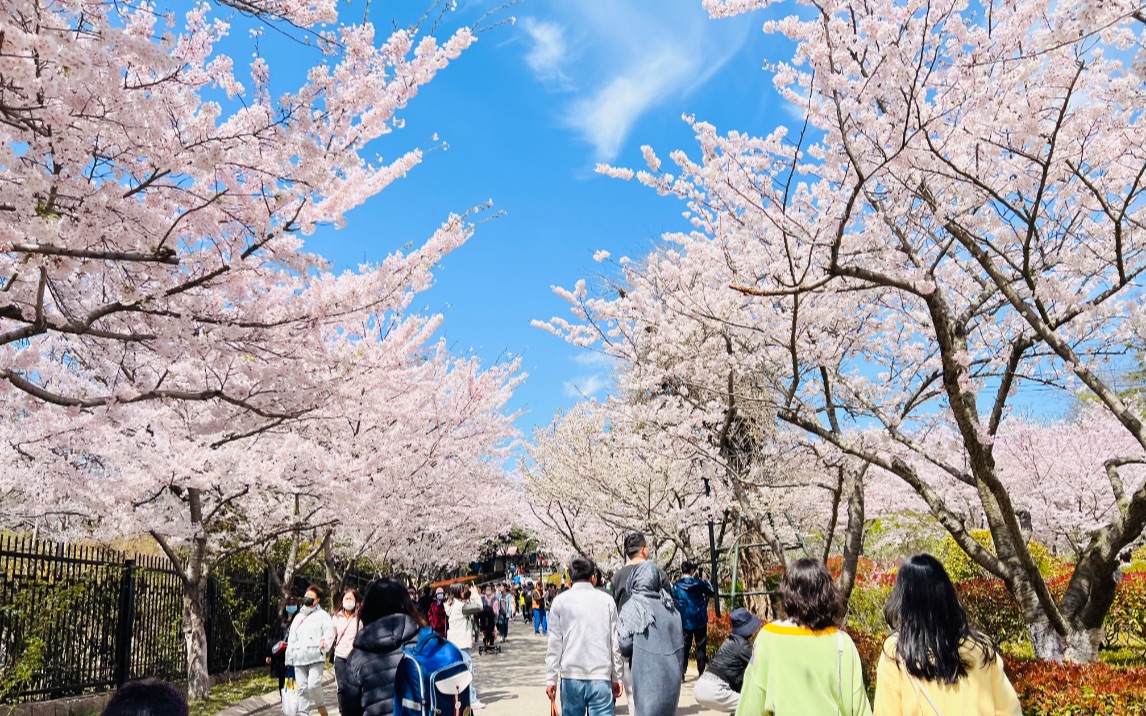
349	621
919	689
840	663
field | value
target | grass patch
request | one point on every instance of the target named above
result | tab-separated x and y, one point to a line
233	692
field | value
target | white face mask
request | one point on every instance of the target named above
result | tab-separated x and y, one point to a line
348	604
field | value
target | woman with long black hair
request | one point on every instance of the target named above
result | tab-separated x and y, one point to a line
935	663
388	620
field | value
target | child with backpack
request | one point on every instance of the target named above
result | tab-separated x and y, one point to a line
399	666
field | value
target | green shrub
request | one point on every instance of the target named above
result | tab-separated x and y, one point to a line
1137	560
961	567
866	605
992	609
1126	621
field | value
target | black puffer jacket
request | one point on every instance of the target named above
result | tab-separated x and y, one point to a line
731	660
373	664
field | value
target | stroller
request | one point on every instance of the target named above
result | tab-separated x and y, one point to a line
486	623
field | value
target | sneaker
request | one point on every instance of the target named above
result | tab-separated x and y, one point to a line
477	706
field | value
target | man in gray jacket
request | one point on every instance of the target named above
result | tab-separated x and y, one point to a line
583	657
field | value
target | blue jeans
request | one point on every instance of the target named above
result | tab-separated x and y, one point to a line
579	696
540	621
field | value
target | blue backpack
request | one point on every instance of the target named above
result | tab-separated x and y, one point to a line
432	679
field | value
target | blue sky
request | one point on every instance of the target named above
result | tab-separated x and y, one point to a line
527	112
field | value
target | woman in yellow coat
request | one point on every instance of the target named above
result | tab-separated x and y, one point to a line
935	664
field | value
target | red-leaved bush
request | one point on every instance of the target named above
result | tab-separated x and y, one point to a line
1049	688
718	630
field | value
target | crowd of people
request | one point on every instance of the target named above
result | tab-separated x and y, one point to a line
638	642
634	637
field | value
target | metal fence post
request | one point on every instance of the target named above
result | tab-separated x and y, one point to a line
125	626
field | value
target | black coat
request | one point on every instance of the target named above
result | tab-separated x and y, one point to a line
278	661
372	666
731	660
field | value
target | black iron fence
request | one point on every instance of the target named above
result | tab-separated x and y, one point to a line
76	619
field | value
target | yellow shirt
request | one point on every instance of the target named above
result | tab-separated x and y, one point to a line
985	691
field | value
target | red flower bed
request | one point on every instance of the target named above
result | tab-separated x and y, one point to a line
1048	688
1054	689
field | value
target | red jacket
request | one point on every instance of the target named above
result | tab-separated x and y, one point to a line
437	616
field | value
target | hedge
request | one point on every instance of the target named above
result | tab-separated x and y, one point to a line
1044	688
1047	688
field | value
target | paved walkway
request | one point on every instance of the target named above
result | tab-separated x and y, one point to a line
511	683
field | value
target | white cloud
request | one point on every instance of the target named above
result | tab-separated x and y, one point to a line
629	56
585	387
594	359
547	51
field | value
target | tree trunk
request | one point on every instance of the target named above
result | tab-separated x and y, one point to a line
753	567
195	636
1079	644
853	537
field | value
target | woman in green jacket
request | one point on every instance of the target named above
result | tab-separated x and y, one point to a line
804	664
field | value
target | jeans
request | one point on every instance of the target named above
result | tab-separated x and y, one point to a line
700	636
579	696
468	658
540	621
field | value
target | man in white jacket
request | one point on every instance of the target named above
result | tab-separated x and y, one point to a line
584	651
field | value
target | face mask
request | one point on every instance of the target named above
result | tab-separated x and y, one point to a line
348	604
292	609
308	601
441	597
489	594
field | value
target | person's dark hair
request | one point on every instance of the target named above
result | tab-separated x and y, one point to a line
634	543
810	597
582	569
147	697
687	567
284	615
1126	557
457	589
357	600
930	624
319	592
386	597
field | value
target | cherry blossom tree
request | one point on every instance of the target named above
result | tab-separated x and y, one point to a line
960	213
384	464
590	479
150	230
173	361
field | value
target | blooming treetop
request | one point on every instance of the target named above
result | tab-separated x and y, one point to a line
591	478
962	212
150	233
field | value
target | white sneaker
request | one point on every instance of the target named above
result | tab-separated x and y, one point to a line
478	706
